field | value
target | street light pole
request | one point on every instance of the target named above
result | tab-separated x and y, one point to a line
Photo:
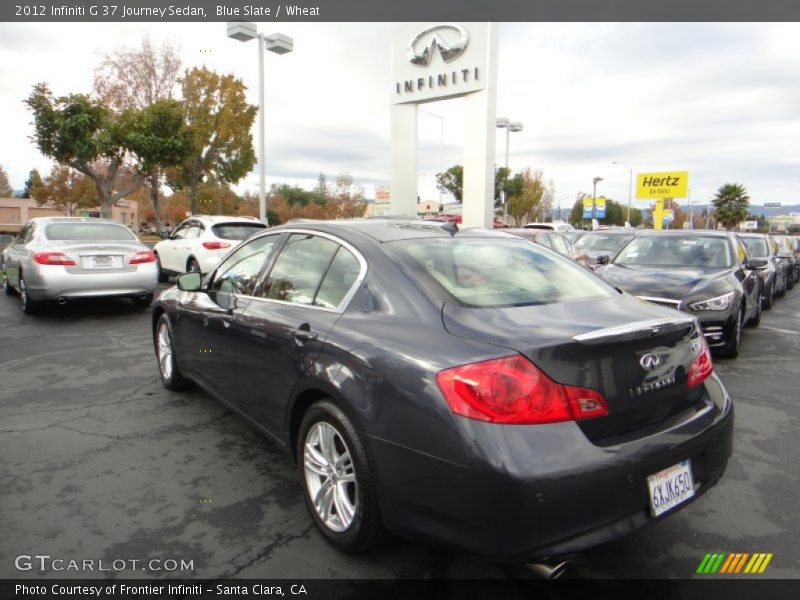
509	126
630	186
278	43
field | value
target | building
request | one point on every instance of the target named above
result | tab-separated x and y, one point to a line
15	212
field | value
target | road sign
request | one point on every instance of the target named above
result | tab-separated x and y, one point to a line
599	207
668	184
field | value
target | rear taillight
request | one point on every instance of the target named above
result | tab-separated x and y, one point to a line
702	366
143	256
53	258
216	245
512	390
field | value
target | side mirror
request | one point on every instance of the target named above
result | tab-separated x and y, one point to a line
755	263
603	260
190	282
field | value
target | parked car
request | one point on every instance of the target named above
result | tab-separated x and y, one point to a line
466	387
5	240
573	236
707	273
772	270
456	217
788	250
601	245
554	241
63	258
559	226
198	243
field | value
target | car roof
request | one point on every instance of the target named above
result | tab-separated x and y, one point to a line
46	220
613	231
685	232
390	230
222	218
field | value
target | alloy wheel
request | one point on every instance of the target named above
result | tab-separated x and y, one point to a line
164	345
330	476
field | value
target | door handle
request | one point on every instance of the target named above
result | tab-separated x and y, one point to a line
303	335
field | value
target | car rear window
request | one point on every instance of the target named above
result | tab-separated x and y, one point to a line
492	273
236	231
598	242
89	232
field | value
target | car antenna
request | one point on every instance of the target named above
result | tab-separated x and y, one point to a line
450	228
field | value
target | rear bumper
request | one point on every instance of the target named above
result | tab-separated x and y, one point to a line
546	492
56	282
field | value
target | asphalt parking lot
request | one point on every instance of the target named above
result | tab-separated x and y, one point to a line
100	462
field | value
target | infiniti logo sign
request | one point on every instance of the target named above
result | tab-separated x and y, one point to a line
450	39
650	361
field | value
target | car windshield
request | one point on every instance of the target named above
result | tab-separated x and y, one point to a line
756	246
236	231
600	242
88	232
676	251
491	273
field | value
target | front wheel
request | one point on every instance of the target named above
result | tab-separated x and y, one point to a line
769	299
171	376
755	320
338	480
731	348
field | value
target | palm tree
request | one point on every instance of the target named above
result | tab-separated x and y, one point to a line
732	205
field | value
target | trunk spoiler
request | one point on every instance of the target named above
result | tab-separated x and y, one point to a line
633	331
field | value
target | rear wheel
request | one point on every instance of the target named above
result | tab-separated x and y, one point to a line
29	306
7	287
162	276
171	375
142	302
338	482
192	266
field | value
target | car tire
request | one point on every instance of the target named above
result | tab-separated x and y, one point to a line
755	320
192	266
782	293
331	456
769	299
789	281
29	306
163	277
731	348
142	302
171	376
8	288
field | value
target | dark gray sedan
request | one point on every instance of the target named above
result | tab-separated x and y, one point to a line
464	387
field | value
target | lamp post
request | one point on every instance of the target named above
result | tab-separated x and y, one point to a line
441	146
630	186
594	197
278	43
509	126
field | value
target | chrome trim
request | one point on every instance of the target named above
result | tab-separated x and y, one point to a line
348	296
657	300
636	326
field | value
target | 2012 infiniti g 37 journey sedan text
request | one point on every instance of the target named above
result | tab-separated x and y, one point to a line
466	387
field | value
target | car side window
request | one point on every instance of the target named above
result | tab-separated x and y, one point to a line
239	272
544	240
181	232
339	279
559	244
195	230
298	270
20	239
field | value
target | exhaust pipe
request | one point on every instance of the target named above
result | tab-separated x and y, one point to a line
62	300
549	570
143	296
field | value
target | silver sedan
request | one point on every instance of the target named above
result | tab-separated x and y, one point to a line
61	258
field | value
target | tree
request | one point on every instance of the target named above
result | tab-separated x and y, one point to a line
80	132
731	204
322	188
219	118
527	204
6	191
136	79
65	190
348	199
34	179
452	182
500	183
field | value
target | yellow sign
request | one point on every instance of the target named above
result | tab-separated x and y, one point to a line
671	184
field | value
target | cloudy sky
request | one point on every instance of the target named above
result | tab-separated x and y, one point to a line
721	101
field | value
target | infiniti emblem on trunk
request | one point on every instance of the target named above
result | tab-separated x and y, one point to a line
650	361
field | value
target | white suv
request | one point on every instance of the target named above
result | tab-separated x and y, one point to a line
199	242
559	226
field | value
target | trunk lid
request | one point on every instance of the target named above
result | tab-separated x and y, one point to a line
636	354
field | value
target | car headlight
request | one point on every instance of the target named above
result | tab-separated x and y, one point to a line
716	303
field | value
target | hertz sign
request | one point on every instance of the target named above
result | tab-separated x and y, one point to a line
673	184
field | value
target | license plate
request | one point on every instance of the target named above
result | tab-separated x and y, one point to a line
99	262
670	487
